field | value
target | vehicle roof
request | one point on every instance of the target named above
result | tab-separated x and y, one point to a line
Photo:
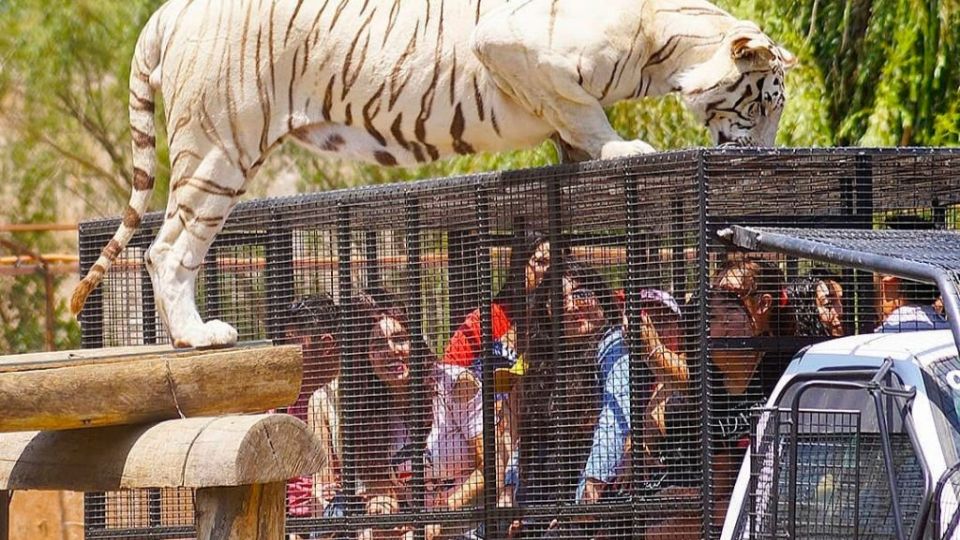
923	347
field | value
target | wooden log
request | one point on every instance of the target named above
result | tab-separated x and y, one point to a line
192	452
77	389
241	513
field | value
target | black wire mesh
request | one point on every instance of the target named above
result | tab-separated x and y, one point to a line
842	489
536	306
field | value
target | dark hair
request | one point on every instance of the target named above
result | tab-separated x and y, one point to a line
375	413
561	387
802	296
513	296
316	314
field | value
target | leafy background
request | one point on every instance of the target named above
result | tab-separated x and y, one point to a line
872	73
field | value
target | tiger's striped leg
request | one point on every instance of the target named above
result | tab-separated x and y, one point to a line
200	201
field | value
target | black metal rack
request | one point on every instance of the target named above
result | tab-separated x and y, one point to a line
443	246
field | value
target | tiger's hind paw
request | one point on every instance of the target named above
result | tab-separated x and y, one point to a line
212	335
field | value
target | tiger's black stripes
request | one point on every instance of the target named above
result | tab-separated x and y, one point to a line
370	110
396	84
350	79
293	19
456	132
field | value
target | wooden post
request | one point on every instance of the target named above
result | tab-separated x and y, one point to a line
4	515
253	512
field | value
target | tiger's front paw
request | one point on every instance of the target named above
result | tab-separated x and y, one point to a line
212	335
617	149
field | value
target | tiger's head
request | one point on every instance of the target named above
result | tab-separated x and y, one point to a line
739	93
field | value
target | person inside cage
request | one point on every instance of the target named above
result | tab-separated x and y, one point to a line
510	313
510	309
748	299
904	305
397	426
665	378
817	303
907	306
313	323
577	363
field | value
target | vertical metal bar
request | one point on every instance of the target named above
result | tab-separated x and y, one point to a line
706	393
863	219
421	399
888	460
279	282
794	463
91	318
212	297
635	250
349	340
485	296
856	484
775	488
372	259
555	275
678	264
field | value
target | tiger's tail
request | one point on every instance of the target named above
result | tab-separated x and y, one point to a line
146	59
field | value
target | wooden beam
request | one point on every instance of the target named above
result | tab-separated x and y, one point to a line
191	452
80	389
240	513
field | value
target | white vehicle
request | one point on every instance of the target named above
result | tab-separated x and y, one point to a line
861	436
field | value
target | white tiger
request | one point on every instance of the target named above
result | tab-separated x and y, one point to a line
371	80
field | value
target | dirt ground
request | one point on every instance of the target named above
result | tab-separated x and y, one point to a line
46	515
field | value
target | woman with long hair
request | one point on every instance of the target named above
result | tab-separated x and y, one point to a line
396	423
572	355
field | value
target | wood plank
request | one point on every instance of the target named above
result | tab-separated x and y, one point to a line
191	452
241	513
55	393
80	357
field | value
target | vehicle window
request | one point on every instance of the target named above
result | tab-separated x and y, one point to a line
942	379
841	478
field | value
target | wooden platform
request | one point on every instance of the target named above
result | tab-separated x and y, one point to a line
134	385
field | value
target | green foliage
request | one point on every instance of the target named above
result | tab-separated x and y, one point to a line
885	71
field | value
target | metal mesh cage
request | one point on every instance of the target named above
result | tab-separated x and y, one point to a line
569	364
841	484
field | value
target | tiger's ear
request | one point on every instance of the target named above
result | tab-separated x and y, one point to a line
761	52
752	49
